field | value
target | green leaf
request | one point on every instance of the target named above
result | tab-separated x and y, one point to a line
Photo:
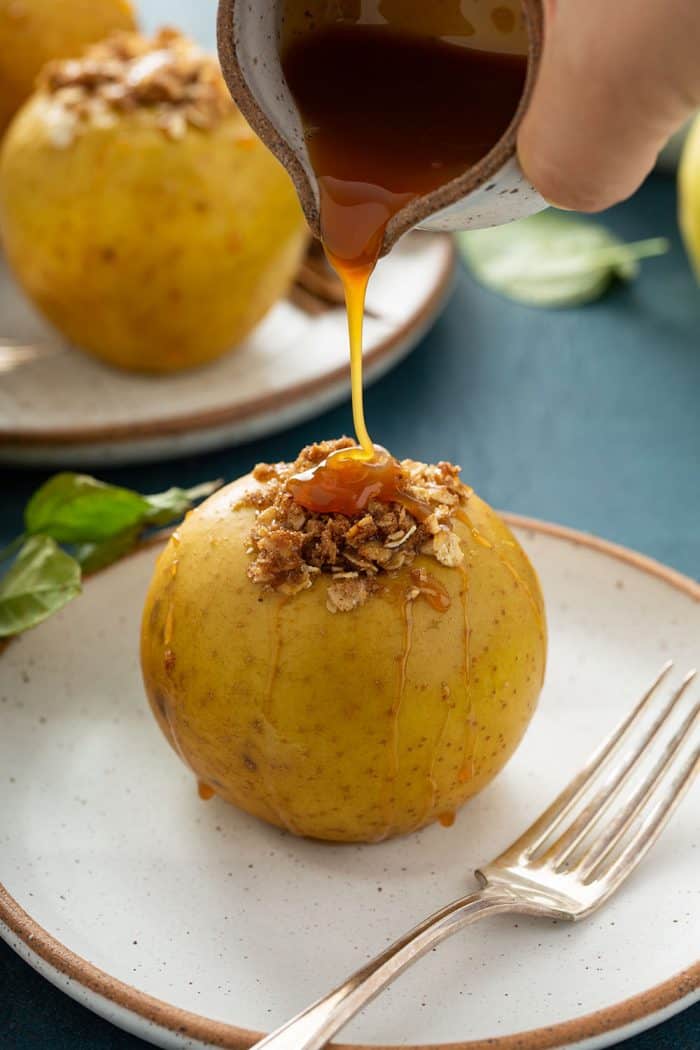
553	259
41	580
163	508
166	507
100	522
95	556
75	508
12	548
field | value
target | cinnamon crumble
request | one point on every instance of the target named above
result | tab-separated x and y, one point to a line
291	546
168	75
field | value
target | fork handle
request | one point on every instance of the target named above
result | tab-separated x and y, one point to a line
311	1029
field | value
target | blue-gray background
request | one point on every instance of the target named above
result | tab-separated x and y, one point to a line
589	417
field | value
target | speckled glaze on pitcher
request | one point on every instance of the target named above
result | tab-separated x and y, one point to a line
251	34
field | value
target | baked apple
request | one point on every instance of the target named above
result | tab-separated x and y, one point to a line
139	211
345	678
32	32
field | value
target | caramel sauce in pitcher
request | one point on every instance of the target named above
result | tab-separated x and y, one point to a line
388	116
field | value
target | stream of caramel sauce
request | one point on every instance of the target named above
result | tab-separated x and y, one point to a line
388	116
437	596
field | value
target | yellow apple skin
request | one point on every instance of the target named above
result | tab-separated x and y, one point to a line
351	727
32	32
689	195
152	254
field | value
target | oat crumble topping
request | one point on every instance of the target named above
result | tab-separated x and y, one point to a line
291	546
166	74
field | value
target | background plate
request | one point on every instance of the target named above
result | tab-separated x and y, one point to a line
65	407
142	902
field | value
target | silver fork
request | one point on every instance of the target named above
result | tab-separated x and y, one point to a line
556	870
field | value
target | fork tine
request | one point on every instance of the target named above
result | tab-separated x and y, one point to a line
561	850
599	850
649	829
553	816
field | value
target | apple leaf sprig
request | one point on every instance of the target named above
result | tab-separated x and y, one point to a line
75	525
553	259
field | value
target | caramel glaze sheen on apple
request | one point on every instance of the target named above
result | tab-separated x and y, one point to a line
284	714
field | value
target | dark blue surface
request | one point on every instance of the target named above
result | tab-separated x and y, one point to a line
588	417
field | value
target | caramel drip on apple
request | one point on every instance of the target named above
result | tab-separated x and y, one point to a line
521	583
432	591
438	598
169	660
393	763
449	705
272	795
477	536
505	562
273	667
467	769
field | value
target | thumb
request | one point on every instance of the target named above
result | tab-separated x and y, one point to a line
617	78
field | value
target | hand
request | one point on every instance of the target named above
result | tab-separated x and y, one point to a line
618	77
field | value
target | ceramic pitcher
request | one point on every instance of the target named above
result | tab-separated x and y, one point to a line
252	33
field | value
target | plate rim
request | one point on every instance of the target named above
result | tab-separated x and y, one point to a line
208	419
184	1024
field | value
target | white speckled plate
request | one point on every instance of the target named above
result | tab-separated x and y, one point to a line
63	407
191	924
